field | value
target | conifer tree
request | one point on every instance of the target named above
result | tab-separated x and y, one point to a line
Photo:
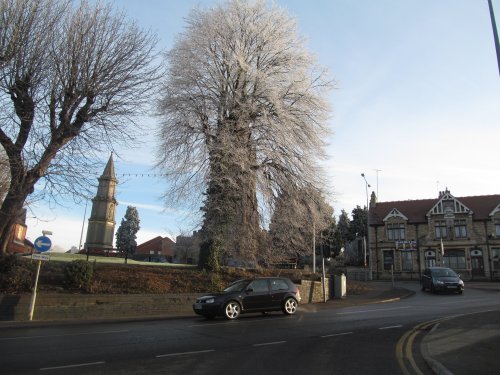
127	233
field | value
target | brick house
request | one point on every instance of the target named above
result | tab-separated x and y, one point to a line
156	249
458	232
18	244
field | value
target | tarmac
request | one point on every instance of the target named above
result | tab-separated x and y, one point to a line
462	344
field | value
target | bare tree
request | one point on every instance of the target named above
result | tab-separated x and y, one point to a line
72	80
4	174
243	111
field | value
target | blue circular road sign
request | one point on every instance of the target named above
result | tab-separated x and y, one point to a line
42	244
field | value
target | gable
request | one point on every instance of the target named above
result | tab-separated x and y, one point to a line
449	205
395	213
495	211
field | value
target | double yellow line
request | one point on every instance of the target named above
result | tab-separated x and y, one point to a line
404	348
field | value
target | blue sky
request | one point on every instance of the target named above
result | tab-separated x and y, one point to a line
417	97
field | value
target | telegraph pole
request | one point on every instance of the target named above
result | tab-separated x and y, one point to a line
495	33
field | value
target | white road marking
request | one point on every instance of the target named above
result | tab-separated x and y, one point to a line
337	334
71	366
391	327
269	343
185	353
372	310
65	335
210	324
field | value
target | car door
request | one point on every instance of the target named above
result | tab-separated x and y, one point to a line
279	289
257	295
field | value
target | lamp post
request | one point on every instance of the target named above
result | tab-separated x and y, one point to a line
367	246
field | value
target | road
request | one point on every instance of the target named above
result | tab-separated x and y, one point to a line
366	339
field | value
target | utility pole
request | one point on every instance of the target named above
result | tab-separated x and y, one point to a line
368	247
377	171
495	33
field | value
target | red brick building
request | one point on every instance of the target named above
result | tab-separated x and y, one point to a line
18	244
157	249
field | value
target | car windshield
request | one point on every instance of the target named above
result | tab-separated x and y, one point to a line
237	286
444	273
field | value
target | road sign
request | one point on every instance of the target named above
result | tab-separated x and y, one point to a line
40	256
43	244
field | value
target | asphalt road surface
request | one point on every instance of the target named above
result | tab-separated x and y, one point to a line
366	339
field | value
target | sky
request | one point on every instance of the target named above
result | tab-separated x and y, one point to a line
416	108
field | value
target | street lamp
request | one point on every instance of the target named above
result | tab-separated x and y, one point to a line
367	185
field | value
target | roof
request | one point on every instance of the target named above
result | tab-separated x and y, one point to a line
416	210
109	170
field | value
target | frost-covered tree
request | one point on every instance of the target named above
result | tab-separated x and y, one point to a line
243	113
73	76
126	234
297	215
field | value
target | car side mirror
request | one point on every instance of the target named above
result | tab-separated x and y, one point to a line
249	290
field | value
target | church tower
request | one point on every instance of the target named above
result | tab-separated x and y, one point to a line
101	226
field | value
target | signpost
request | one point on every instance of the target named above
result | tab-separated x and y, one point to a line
42	244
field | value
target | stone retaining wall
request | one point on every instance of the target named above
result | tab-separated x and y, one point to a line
63	306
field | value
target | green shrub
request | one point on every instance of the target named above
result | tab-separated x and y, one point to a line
16	274
78	273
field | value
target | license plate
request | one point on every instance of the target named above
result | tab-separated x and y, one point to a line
198	306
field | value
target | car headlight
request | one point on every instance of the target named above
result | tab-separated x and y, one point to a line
210	300
439	282
461	282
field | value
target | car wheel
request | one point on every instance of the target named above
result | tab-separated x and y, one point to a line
460	291
433	290
290	306
232	310
423	288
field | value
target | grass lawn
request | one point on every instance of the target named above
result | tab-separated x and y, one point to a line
65	257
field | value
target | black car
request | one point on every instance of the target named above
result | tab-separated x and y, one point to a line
250	295
442	279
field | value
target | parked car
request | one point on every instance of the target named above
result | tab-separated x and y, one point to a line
440	279
262	294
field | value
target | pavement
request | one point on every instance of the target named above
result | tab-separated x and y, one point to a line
465	343
453	346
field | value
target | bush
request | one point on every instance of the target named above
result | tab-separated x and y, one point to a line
78	273
16	274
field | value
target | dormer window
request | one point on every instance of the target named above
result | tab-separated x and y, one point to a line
440	229
395	231
460	228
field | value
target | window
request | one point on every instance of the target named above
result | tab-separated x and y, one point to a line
460	229
395	231
496	259
440	229
497	227
259	286
388	259
407	260
279	284
454	259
